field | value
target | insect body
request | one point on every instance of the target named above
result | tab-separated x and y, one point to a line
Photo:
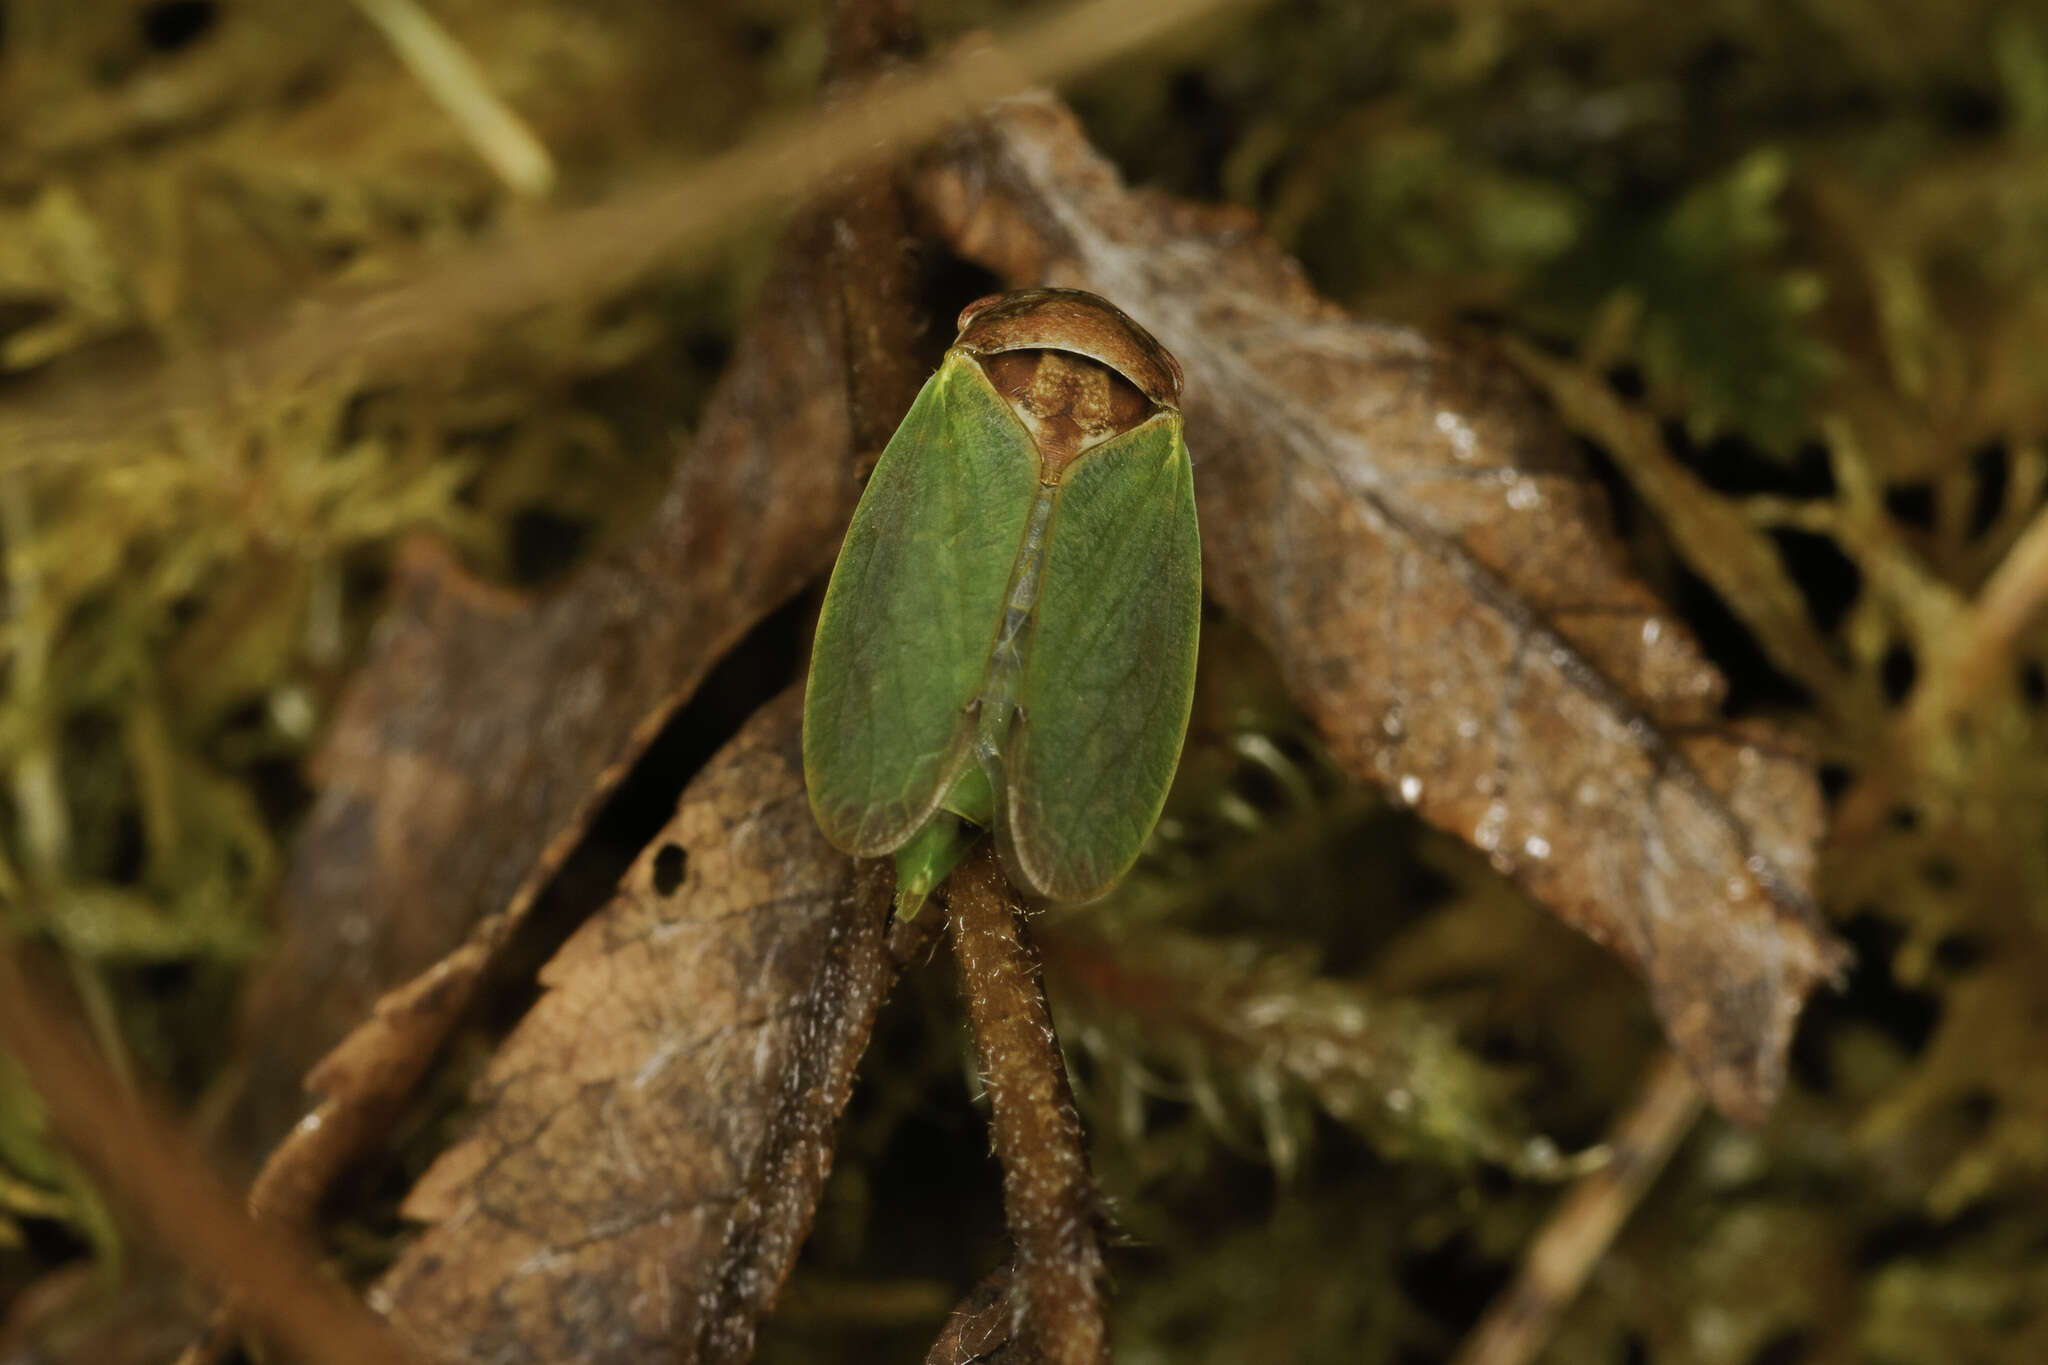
1008	639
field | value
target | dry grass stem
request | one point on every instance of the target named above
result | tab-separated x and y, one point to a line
141	1157
579	255
2011	602
1522	1318
451	76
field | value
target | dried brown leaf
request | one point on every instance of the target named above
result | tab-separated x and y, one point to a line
485	729
654	1134
365	1082
1419	544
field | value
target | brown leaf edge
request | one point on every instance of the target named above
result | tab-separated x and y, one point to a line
652	1136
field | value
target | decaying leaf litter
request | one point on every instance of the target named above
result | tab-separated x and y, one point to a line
531	1087
1950	847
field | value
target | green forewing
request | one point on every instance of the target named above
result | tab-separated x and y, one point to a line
1111	670
903	640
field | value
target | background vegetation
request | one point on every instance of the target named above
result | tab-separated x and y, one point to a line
1804	244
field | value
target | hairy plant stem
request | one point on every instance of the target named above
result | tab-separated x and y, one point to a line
1047	1189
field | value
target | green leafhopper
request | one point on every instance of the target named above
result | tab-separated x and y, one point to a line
1008	639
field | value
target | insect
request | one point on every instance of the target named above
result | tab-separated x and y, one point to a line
1008	639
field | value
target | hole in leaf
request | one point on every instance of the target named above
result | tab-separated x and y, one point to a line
669	866
760	666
